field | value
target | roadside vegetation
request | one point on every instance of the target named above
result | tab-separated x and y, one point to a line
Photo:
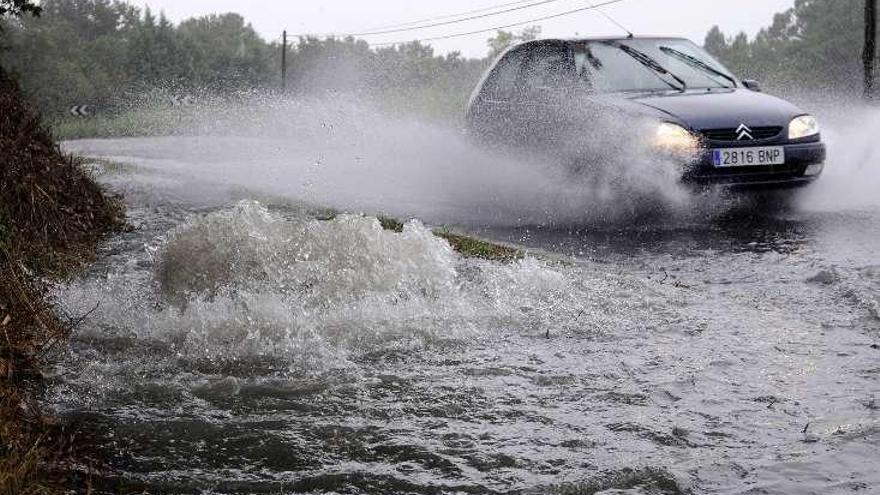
813	48
131	67
472	247
134	69
52	215
465	245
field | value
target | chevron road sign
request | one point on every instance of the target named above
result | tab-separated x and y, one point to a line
80	111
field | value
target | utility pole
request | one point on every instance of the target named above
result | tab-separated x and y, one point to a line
284	60
870	54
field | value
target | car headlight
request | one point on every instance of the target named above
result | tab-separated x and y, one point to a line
673	137
802	127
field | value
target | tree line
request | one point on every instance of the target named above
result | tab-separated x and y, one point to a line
86	51
95	52
815	46
98	52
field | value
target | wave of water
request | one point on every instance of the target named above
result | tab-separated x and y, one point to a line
852	172
255	348
248	284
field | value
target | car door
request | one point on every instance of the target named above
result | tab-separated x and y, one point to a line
542	109
491	115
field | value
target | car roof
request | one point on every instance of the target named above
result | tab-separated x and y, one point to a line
600	38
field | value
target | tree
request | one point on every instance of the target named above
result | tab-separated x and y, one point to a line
155	52
716	42
870	55
504	39
226	51
815	46
113	56
18	7
75	53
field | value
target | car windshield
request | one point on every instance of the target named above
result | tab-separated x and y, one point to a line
648	65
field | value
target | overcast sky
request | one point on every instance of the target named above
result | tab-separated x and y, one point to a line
689	18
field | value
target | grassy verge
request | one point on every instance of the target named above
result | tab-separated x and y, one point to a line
158	121
467	246
471	247
156	117
52	216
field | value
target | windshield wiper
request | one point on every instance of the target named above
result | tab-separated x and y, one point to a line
652	64
694	61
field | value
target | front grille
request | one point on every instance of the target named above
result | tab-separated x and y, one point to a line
759	133
746	175
761	170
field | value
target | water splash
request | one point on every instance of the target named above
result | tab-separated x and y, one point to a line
852	176
309	296
323	263
344	153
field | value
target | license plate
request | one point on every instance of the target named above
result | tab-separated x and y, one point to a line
745	157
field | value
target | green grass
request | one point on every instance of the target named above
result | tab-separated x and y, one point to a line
467	246
433	104
132	123
471	247
437	105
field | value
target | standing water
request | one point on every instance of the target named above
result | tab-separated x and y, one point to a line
236	343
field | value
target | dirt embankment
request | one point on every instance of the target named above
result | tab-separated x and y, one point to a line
52	215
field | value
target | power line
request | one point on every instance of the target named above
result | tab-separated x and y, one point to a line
457	21
443	23
592	6
450	16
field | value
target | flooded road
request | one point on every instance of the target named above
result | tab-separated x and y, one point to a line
235	344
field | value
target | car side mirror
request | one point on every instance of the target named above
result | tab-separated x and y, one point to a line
753	85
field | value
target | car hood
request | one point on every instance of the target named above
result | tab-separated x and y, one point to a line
718	109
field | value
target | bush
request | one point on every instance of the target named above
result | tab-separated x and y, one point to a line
52	215
3	230
52	207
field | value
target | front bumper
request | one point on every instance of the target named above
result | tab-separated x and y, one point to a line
798	159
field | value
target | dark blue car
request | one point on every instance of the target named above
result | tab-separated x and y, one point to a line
543	94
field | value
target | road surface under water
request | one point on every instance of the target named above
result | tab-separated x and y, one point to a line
235	344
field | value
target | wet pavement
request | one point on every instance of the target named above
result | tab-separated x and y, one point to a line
237	345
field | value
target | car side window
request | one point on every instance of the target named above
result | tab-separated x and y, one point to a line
503	82
548	67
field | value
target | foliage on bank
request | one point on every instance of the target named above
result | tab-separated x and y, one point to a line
52	215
